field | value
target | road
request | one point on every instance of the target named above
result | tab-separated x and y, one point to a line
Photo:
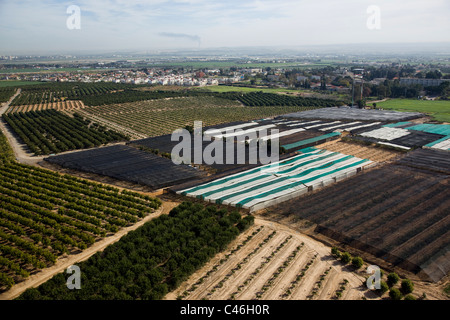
20	150
65	262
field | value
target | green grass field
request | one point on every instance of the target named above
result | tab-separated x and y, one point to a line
438	110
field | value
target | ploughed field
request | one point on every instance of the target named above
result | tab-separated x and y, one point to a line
395	212
270	262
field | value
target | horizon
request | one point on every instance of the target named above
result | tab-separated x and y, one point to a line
162	25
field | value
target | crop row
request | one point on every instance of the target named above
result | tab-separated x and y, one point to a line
152	260
260	267
6	94
277	273
257	99
221	262
56	92
50	131
45	214
155	122
241	263
318	284
298	278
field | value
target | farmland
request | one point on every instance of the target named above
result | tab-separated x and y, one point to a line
130	164
56	92
271	262
70	105
395	212
158	117
153	259
438	110
50	131
365	152
6	93
17	83
45	215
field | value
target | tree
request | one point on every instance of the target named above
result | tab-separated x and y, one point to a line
410	297
383	287
335	252
346	257
357	262
392	279
395	294
407	286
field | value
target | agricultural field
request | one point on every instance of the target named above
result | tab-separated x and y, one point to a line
70	105
57	92
257	99
274	183
438	110
17	83
45	215
366	152
272	262
6	93
222	89
50	131
126	163
152	260
394	212
159	117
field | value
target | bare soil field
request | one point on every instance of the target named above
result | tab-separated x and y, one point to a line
275	263
360	151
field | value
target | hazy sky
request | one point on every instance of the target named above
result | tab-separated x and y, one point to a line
112	25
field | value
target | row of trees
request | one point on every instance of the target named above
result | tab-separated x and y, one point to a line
152	260
392	279
56	92
6	94
50	131
45	214
253	99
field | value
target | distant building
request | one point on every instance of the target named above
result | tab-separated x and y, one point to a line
423	82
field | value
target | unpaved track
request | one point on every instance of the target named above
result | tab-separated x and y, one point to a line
20	150
65	262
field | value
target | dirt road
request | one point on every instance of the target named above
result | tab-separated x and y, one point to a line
65	262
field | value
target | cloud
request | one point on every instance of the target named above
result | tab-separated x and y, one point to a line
31	25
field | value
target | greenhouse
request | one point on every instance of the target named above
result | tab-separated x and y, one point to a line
274	183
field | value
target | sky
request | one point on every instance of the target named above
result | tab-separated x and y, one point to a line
119	25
